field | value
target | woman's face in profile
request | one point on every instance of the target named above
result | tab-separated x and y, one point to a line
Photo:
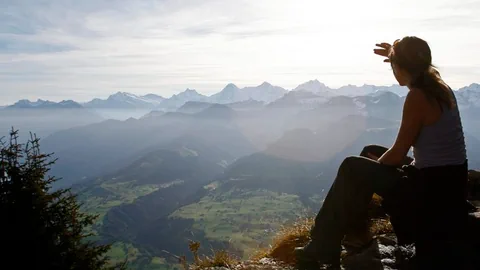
402	77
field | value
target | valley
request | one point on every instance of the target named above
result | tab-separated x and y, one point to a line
227	170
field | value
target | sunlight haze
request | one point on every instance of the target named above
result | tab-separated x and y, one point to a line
84	49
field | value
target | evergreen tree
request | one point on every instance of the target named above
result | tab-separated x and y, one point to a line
40	228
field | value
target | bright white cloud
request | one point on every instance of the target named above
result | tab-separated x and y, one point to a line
80	49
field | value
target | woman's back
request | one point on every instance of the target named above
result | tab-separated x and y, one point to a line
441	142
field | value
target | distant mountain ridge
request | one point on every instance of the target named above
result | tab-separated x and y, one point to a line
264	92
469	95
123	100
314	86
180	99
312	91
45	104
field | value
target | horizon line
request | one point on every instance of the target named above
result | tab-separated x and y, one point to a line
240	88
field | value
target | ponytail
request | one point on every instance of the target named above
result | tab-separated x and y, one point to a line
430	82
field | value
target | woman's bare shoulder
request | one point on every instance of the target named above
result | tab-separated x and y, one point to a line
416	98
426	109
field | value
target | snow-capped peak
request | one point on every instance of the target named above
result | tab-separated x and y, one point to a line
313	86
475	87
265	92
230	93
123	96
469	96
126	100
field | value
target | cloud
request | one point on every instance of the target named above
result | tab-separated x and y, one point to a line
23	46
60	49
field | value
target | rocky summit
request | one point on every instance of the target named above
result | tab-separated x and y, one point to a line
384	253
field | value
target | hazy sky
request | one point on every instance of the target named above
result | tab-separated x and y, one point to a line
59	49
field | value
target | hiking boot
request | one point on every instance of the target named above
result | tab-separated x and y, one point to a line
311	258
357	242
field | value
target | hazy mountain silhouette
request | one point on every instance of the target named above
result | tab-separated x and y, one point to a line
231	93
45	120
246	105
178	100
93	149
194	107
45	104
178	172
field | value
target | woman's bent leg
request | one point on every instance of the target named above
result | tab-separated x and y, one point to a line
360	236
378	151
346	204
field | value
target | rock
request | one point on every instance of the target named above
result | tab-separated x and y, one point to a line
267	261
387	239
369	258
262	264
390	263
386	251
405	257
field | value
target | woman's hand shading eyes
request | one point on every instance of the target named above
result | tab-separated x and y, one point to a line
384	50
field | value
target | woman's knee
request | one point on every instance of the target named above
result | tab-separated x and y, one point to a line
356	166
374	149
349	163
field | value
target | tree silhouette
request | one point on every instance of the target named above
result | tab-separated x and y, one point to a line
41	228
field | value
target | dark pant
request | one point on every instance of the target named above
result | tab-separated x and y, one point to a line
346	206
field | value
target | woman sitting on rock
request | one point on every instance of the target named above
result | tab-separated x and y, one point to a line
430	188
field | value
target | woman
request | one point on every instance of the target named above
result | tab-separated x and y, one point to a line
434	179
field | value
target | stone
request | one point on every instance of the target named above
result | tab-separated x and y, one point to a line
267	261
387	240
386	251
390	263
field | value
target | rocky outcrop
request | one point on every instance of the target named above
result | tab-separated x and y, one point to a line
384	252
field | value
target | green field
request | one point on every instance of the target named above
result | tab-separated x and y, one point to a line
122	193
118	193
121	251
246	219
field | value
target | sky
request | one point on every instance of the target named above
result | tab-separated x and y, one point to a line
70	49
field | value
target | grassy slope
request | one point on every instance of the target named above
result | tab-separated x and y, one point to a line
247	219
117	194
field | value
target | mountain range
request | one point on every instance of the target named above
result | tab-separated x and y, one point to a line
309	92
45	104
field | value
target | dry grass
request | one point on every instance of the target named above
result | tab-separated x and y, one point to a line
219	258
379	221
381	226
375	209
298	234
289	237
